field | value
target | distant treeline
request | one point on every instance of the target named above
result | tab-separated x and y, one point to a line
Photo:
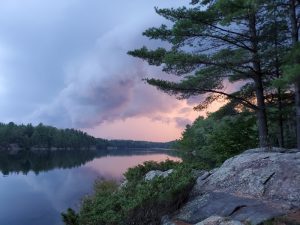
139	144
29	137
42	136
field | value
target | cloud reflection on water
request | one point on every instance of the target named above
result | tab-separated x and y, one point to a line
39	198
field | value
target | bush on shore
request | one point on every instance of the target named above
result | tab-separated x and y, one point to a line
138	202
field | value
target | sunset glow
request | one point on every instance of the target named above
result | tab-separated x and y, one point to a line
83	77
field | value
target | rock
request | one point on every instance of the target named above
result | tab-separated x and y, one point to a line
203	178
226	205
214	170
198	173
165	220
123	184
271	149
157	173
271	176
252	187
217	220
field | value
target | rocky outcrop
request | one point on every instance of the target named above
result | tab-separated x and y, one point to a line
250	188
157	173
218	220
149	176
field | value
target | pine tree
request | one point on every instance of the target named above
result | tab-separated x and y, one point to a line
213	42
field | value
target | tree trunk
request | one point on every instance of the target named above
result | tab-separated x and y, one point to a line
280	120
261	115
295	39
259	89
297	101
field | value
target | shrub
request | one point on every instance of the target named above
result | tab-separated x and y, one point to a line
139	202
210	141
137	173
70	217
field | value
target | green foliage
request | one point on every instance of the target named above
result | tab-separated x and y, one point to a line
47	137
138	172
231	135
209	43
70	217
292	72
218	137
139	202
290	68
232	129
41	136
138	144
213	42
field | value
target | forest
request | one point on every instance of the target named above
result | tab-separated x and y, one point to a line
245	54
140	144
42	136
229	131
28	137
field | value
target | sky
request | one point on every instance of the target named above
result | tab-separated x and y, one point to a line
64	63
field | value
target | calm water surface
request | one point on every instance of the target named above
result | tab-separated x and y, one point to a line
35	189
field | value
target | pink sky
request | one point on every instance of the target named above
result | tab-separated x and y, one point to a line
147	128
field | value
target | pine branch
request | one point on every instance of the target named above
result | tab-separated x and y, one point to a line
176	88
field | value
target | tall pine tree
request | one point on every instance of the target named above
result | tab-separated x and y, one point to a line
212	42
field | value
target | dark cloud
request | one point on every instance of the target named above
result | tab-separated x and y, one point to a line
64	63
105	85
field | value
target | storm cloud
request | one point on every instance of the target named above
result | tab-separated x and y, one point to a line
64	63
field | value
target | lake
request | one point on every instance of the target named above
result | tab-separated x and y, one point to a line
36	188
